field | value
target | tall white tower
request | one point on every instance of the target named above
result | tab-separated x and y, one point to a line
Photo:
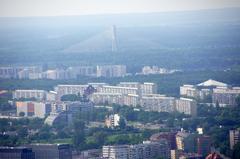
114	39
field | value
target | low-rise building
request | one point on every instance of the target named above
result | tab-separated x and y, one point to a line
33	109
51	151
16	153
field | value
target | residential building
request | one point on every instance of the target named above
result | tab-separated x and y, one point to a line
168	136
115	151
117	89
186	106
148	88
36	94
225	96
146	150
189	91
234	137
112	121
69	89
111	71
157	102
131	100
107	98
33	109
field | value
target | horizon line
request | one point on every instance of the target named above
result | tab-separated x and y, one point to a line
121	13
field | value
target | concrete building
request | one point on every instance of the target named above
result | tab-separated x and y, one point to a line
33	109
186	106
146	150
16	153
107	98
234	137
69	89
148	88
51	151
58	117
157	102
143	88
83	71
117	89
189	91
51	96
203	145
111	71
168	136
131	100
77	107
225	96
116	151
9	72
186	141
112	121
36	94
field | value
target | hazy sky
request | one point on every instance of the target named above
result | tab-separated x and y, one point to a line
79	7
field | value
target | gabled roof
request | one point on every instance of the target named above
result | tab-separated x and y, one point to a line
211	82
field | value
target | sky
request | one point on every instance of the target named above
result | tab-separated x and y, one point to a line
21	8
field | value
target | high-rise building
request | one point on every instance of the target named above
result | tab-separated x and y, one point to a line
114	39
186	106
16	153
157	102
69	89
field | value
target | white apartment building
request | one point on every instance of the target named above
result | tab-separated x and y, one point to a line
111	71
145	88
112	120
189	91
146	150
37	94
148	88
107	98
115	152
186	106
225	95
157	102
69	89
117	89
131	100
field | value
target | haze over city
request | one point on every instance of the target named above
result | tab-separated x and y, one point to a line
111	79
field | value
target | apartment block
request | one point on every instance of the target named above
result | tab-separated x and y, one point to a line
36	94
186	106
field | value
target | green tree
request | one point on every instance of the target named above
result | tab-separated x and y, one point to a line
22	114
79	134
236	151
